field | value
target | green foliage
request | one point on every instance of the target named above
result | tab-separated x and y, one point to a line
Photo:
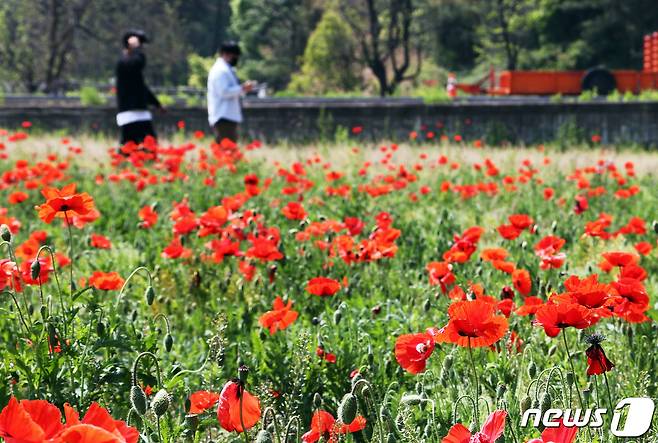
329	62
83	345
273	36
90	96
569	133
166	100
199	67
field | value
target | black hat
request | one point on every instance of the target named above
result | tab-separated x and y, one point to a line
141	35
230	47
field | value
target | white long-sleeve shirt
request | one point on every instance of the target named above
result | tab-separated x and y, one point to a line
224	92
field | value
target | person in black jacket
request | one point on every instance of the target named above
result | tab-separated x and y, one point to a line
133	96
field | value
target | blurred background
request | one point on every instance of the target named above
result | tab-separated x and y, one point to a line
330	48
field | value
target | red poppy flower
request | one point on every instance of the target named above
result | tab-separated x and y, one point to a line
530	306
504	266
634	300
322	286
598	298
100	242
201	401
473	323
148	217
294	211
440	274
643	247
326	356
491	431
106	281
620	259
212	221
17	197
520	221
39	421
555	317
509	232
494	254
45	267
29	421
413	350
548	249
280	317
64	203
324	425
175	249
561	434
95	427
228	407
522	282
597	362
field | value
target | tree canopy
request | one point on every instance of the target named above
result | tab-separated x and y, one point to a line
316	46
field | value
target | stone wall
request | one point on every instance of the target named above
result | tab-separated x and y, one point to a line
310	119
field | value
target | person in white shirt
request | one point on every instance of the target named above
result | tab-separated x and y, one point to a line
224	93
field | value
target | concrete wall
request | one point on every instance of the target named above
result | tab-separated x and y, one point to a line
309	119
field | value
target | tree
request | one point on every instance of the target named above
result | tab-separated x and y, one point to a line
504	30
449	30
273	35
387	38
328	62
38	38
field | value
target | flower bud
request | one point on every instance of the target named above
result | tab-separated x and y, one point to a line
532	369
35	269
391	438
545	402
500	390
347	408
138	400
317	401
168	342
655	227
338	314
526	403
243	371
552	350
447	362
160	403
427	305
100	329
570	378
149	294
5	233
190	426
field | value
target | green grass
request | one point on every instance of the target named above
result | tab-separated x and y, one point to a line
212	306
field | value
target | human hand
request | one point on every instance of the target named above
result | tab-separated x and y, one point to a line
248	86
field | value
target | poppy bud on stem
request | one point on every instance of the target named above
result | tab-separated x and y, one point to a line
169	339
5	233
264	436
137	396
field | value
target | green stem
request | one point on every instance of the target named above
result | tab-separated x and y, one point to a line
244	430
68	226
20	312
573	370
477	384
575	378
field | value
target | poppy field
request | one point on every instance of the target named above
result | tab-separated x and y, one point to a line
433	291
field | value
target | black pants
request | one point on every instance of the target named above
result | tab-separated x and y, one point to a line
137	131
226	129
